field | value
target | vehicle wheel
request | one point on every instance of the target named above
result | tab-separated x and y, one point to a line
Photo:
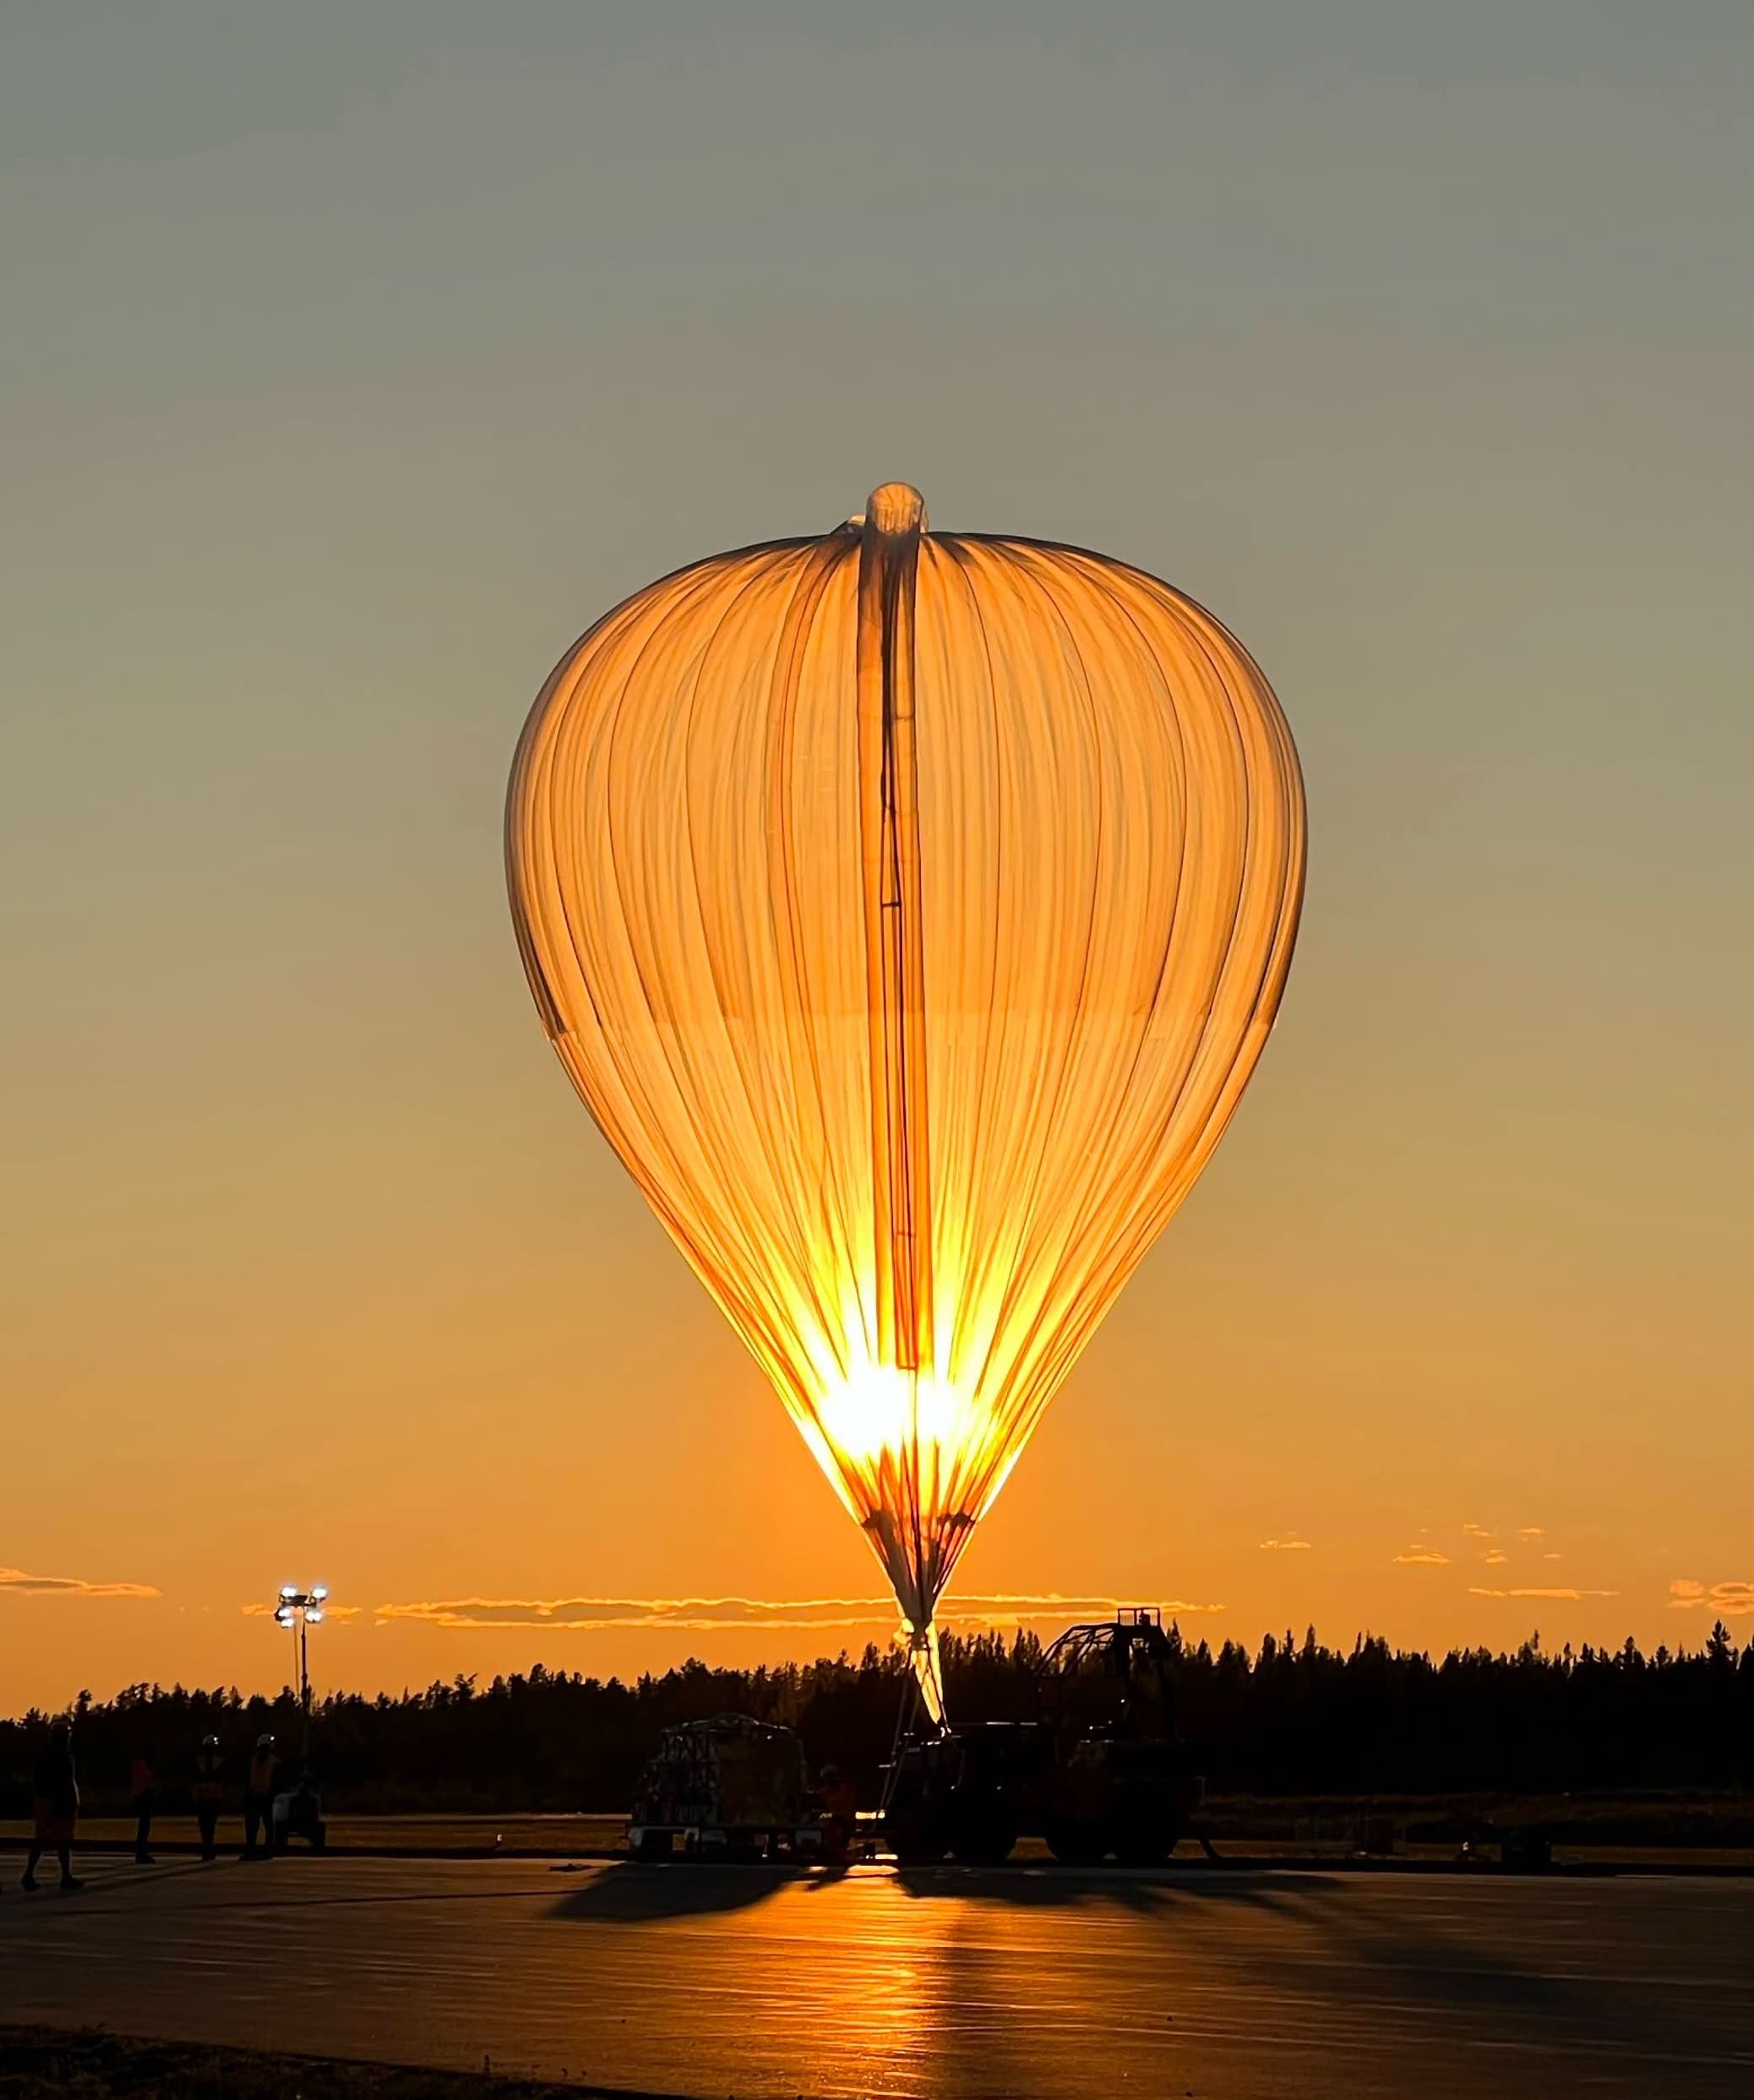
985	1841
654	1844
1077	1844
1145	1845
913	1843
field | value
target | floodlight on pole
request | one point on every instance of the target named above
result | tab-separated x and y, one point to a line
299	1610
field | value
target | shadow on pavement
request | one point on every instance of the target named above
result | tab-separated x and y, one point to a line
630	1893
101	1880
1497	1965
1072	1887
1509	1992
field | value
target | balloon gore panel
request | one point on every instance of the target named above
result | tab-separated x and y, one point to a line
910	910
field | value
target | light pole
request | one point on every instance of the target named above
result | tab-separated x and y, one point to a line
301	1610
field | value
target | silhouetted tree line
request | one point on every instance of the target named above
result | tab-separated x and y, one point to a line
1296	1718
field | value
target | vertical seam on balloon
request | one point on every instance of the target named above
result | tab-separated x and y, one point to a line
782	1179
977	1118
1083	683
1030	1403
608	738
776	1313
886	627
1215	981
1011	1404
801	616
1242	880
561	729
684	1230
1150	1220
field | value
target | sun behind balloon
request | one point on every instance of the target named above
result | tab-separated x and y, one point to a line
910	909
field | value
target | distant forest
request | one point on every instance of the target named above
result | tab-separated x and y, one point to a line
1295	1719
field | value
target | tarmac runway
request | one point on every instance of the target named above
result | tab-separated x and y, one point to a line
934	1985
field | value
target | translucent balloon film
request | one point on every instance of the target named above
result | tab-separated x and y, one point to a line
910	910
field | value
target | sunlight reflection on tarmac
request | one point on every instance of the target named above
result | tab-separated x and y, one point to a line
934	1985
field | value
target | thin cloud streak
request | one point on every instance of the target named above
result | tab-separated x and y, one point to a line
1557	1596
1421	1556
1727	1600
330	1611
1285	1545
15	1582
716	1615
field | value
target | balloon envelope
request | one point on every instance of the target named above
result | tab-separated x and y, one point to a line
910	910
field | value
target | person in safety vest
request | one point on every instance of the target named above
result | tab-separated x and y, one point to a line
840	1815
143	1788
259	1791
209	1792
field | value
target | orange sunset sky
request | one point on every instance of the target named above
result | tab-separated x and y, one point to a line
357	360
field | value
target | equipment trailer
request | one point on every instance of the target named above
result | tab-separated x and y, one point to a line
730	1788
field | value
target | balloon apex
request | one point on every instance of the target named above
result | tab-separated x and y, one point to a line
897	507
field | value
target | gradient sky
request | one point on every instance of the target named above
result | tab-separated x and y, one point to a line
354	358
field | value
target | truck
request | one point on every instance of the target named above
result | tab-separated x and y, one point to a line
1100	1771
727	1788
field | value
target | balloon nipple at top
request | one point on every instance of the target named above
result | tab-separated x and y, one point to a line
897	507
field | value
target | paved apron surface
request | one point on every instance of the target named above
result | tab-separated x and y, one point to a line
749	1981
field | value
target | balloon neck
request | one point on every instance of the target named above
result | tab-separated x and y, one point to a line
928	1670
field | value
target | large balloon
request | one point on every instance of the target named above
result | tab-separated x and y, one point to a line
910	909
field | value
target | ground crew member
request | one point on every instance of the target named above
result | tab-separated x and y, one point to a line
142	1786
840	1815
209	1792
258	1789
56	1789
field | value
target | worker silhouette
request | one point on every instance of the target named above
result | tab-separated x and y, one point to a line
56	1788
840	1815
142	1789
209	1793
259	1791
